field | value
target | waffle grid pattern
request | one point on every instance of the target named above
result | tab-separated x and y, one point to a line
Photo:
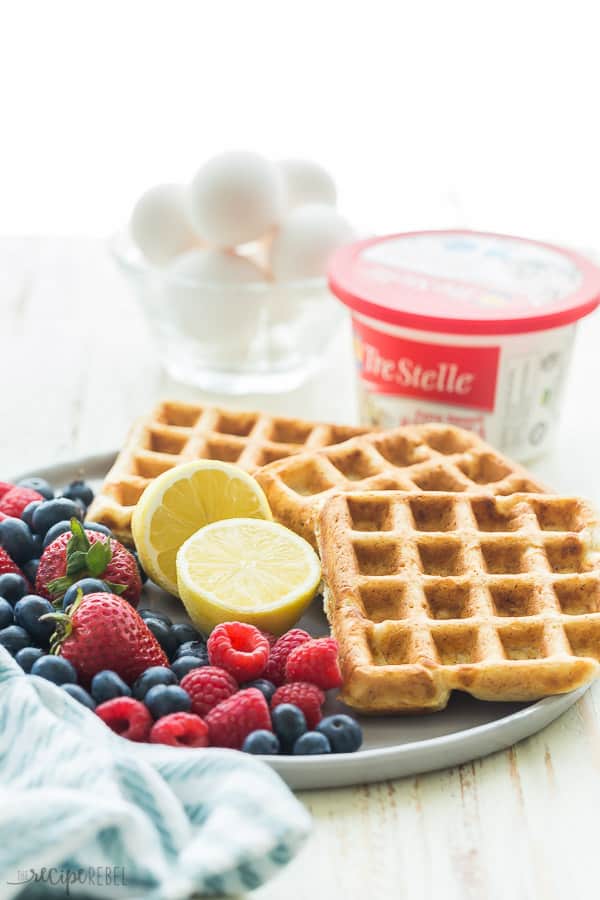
497	596
419	458
179	432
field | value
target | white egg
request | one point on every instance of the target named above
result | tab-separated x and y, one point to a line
159	223
236	198
307	182
215	267
305	241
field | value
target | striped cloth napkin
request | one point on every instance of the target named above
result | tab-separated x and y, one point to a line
85	812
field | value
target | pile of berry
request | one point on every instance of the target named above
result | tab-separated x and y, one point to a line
241	689
147	678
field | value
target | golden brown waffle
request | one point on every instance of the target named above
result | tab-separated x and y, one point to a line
428	593
413	458
179	432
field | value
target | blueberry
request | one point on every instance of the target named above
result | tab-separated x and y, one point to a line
27	656
96	526
56	669
79	490
38	546
6	613
310	743
86	586
184	633
267	688
52	511
155	675
164	699
154	614
30	569
78	693
261	741
107	685
12	587
185	664
38	484
55	532
143	575
16	539
288	724
343	732
193	648
28	611
13	638
27	514
162	633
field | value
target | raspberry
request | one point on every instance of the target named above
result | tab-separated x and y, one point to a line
180	730
127	717
230	723
307	697
315	661
275	668
5	487
207	687
16	499
270	637
239	649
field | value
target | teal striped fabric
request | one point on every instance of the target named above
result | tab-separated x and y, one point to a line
155	821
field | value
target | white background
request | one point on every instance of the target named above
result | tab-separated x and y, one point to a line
429	114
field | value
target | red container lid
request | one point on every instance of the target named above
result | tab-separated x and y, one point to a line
465	282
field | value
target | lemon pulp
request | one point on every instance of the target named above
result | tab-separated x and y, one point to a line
249	570
182	500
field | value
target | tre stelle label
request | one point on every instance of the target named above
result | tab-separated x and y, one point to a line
461	376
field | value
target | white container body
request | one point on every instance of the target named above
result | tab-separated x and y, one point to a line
408	377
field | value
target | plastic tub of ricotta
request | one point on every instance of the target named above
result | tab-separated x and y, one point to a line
465	328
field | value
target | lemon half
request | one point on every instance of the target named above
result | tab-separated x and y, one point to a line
247	570
183	499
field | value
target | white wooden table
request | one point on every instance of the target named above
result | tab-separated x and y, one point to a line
76	365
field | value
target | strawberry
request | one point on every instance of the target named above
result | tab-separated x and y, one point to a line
102	631
87	554
7	565
5	487
14	501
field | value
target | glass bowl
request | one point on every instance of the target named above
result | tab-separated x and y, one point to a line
261	337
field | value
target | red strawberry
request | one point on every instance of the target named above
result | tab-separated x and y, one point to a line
87	554
315	661
307	697
275	668
14	501
5	487
7	565
102	631
230	723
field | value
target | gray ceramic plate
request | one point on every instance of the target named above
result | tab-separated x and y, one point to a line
393	747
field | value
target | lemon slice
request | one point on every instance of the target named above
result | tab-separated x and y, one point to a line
249	571
182	500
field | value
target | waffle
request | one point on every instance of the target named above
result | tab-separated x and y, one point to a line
179	432
430	593
416	458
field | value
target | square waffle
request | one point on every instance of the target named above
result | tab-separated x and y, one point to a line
412	458
179	432
428	593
